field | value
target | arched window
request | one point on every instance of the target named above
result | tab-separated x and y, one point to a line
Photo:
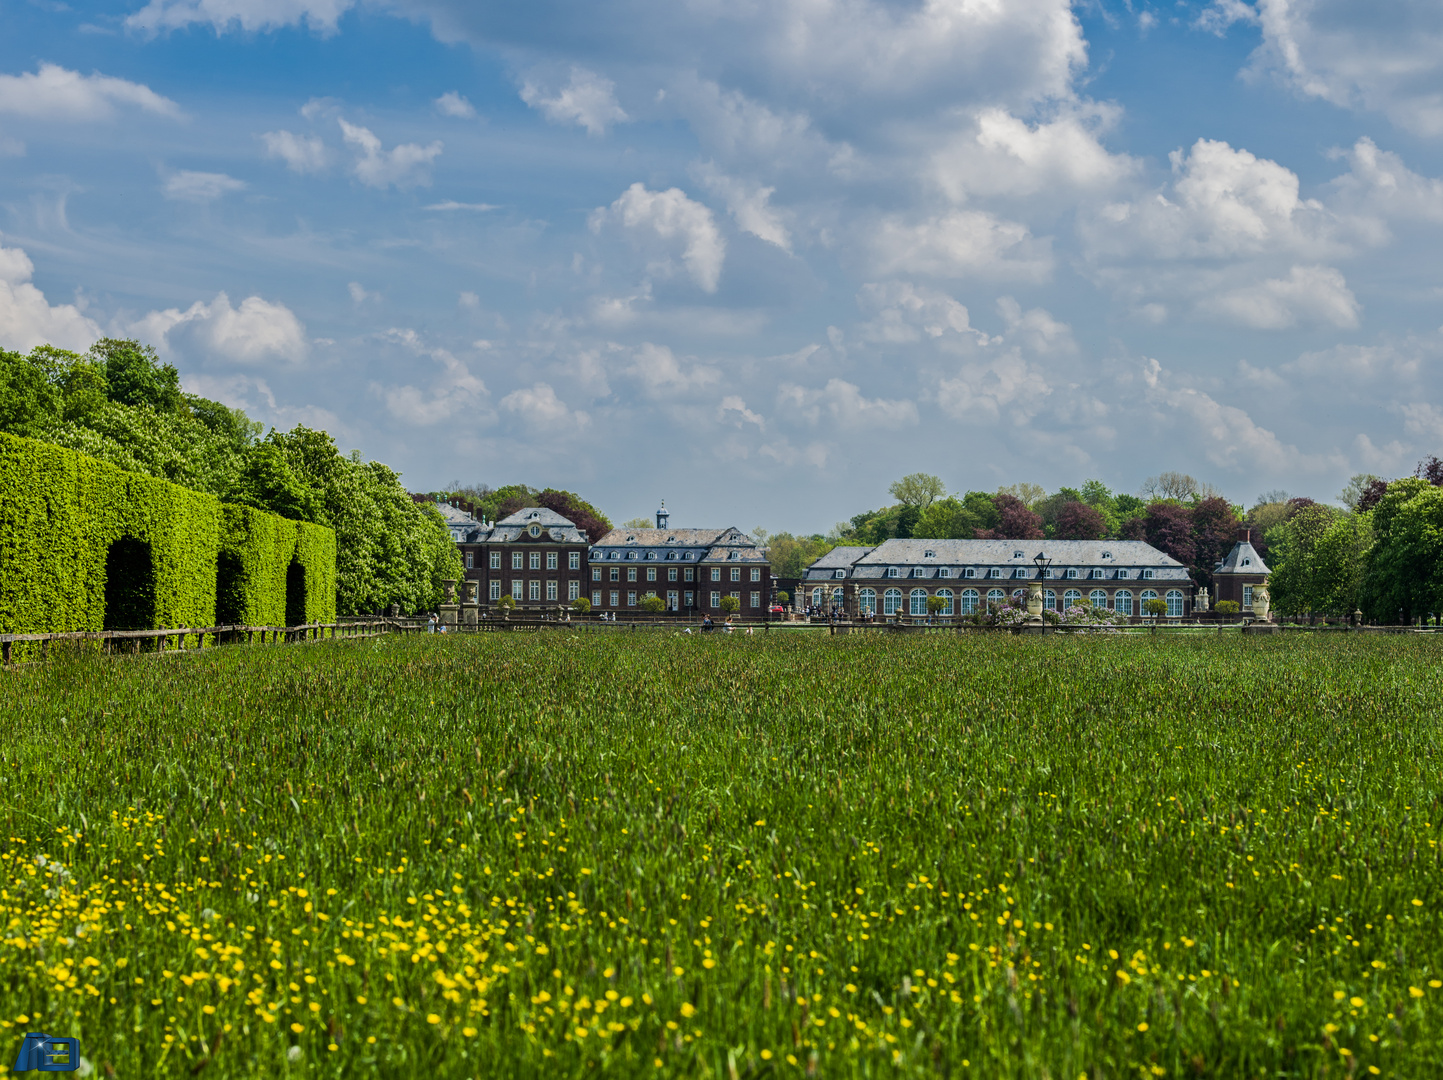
891	601
918	605
1122	602
1071	598
1147	594
1049	599
816	598
996	596
867	600
1098	599
1174	603
1072	575
945	595
836	598
671	556
969	601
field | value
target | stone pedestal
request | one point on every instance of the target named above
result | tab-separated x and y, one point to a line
450	614
1262	628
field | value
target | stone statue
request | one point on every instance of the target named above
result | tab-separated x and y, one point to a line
1200	604
1034	601
449	587
1261	600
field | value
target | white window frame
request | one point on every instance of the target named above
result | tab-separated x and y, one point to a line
551	591
1097	598
596	598
1049	599
917	602
631	598
573	560
615	598
496	560
867	600
967	605
996	596
535	560
551	557
945	594
1175	603
533	589
756	599
518	589
736	573
517	561
891	601
573	590
715	599
495	591
1122	602
995	572
944	572
1071	598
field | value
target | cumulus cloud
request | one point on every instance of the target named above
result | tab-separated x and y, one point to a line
454	392
990	388
588	100
962	243
733	410
200	187
748	205
27	319
455	105
448	205
540	408
1222	203
301	153
52	92
842	404
1035	329
662	374
404	165
670	217
1310	294
257	332
903	312
246	15
1385	58
1378	182
999	154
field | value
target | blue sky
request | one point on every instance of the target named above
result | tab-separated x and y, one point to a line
755	258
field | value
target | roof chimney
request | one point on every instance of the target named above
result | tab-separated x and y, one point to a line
662	515
1245	535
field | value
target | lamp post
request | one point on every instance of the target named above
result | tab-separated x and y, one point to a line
1034	591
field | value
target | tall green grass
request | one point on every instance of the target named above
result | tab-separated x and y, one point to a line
659	855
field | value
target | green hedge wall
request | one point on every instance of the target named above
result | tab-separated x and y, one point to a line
61	512
257	550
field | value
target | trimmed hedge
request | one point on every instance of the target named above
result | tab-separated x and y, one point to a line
257	552
62	513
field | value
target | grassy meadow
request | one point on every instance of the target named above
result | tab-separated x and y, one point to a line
650	855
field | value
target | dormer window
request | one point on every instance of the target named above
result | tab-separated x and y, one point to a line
1122	575
686	556
1247	562
929	554
1148	575
944	572
650	555
1047	573
917	571
631	555
969	572
995	572
670	556
631	539
1020	572
839	574
1107	554
1018	555
734	555
671	539
1097	573
1071	575
892	572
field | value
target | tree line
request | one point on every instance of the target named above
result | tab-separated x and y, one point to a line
118	402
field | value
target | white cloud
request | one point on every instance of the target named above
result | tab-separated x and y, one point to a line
1218	16
662	374
998	154
962	243
449	205
1035	329
1223	203
200	187
1378	182
247	15
52	92
1002	386
1310	294
1383	57
455	105
733	410
1388	365
301	153
539	407
588	100
455	392
27	319
1423	420
359	293
404	165
904	312
257	332
748	205
842	404
669	215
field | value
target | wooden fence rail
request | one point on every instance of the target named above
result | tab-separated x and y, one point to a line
115	641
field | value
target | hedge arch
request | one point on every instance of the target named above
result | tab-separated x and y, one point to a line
69	522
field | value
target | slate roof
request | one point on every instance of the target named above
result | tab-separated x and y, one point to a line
1234	562
559	530
704	545
1082	555
839	558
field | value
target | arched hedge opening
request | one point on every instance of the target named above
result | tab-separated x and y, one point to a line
295	594
129	585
